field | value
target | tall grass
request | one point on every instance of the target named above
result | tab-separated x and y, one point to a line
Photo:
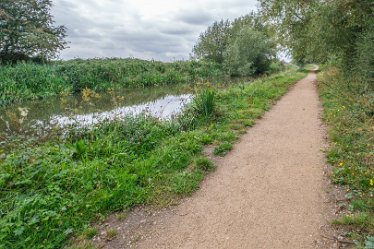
52	190
33	81
349	113
205	102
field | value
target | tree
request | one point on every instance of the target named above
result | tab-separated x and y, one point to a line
27	31
213	42
317	30
249	52
242	47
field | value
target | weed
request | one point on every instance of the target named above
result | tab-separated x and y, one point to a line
121	216
204	164
186	182
206	139
110	234
222	149
358	219
89	232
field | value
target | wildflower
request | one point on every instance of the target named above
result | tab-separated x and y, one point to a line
371	182
341	164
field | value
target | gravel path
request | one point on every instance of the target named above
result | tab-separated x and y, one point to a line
269	192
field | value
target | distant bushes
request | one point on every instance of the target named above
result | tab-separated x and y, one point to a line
31	81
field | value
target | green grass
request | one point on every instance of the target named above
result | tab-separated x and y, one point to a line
52	190
349	113
222	149
89	232
203	164
26	81
204	102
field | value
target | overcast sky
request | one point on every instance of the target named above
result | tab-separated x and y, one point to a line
160	29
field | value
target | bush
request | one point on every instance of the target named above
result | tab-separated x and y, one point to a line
275	67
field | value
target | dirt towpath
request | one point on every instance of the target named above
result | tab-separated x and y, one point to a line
269	192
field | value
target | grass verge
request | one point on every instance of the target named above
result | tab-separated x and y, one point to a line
53	190
349	113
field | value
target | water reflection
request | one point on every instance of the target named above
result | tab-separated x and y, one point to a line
91	107
164	108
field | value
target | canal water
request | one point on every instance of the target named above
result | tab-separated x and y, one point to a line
90	108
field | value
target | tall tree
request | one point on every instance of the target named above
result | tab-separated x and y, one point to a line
317	30
248	53
213	42
242	47
27	31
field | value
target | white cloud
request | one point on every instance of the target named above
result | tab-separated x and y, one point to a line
159	29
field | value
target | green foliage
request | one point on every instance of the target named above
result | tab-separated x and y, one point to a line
249	53
204	103
222	149
204	164
364	57
348	110
54	189
27	31
276	67
243	47
31	81
89	232
213	42
317	31
363	220
186	183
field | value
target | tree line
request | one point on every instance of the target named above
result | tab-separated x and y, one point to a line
319	31
313	31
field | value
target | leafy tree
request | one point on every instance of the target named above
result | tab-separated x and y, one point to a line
253	20
364	65
243	47
317	30
213	42
27	31
249	52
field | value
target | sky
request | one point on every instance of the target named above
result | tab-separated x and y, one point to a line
163	30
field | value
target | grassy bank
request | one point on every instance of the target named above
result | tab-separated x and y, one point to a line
52	190
33	81
349	113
